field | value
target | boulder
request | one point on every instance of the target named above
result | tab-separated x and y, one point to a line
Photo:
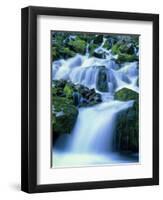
99	54
78	45
64	115
127	130
125	51
102	80
126	94
127	123
98	39
77	95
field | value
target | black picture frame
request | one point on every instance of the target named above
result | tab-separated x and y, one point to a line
29	99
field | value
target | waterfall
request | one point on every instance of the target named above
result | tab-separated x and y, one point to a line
93	132
91	137
84	70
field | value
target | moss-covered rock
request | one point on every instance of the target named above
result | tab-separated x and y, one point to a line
126	94
92	48
115	48
98	39
86	97
65	52
62	52
68	91
123	57
102	80
64	115
107	45
66	45
66	98
78	45
125	51
127	130
127	126
99	54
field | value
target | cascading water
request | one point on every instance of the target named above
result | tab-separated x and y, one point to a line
92	135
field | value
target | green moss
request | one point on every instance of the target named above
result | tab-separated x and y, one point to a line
64	46
126	57
126	94
102	81
86	37
115	48
127	127
64	115
66	52
68	91
107	45
125	52
92	48
78	45
66	98
54	53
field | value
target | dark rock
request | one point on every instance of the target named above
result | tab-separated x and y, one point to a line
76	98
98	98
127	126
102	80
98	39
137	82
127	130
99	54
77	95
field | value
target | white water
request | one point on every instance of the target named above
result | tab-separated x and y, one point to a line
92	137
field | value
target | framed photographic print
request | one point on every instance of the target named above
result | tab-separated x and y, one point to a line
90	99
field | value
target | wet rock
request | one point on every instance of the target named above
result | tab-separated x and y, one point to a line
76	98
64	115
78	45
107	44
102	80
98	39
127	123
126	94
77	95
125	51
127	130
137	82
99	54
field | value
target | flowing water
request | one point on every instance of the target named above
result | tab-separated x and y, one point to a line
91	141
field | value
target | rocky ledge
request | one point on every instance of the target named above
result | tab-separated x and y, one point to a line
127	126
66	99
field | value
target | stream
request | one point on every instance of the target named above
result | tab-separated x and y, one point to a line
88	144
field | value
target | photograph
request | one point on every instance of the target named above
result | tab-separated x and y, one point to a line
90	99
94	99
